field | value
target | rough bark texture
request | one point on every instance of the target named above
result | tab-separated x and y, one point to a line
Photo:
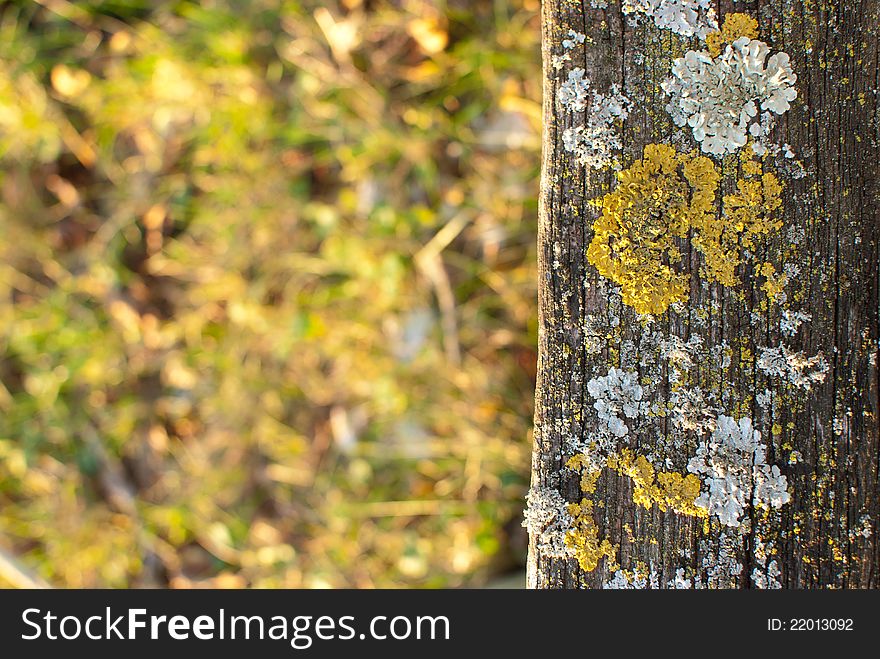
823	437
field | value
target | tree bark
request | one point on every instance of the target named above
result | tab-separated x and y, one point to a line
787	346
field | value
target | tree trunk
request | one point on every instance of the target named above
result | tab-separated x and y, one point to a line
707	399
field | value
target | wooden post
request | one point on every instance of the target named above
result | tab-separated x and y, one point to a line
707	399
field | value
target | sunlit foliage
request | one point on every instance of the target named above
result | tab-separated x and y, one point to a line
268	289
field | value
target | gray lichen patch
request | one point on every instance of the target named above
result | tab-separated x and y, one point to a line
726	99
547	519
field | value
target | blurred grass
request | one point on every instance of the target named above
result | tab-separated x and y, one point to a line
268	290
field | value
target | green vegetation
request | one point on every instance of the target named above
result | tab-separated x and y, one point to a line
268	289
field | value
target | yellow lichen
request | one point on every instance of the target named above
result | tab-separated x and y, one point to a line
665	489
750	212
664	198
583	539
588	476
774	282
736	25
652	208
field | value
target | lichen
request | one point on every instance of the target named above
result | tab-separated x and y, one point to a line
548	521
720	560
573	94
590	472
692	409
719	97
681	581
735	470
670	387
751	208
617	394
687	18
574	39
632	580
792	367
596	142
583	540
792	320
735	25
765	575
749	212
668	490
656	201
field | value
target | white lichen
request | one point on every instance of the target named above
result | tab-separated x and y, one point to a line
794	368
770	486
617	395
720	98
688	18
680	353
791	321
680	582
574	93
721	353
733	465
766	578
765	575
558	61
574	38
547	519
865	530
791	270
634	580
692	410
795	234
595	142
720	561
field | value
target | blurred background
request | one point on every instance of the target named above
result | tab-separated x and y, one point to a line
268	291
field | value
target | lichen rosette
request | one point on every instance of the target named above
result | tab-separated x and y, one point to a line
655	203
724	99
